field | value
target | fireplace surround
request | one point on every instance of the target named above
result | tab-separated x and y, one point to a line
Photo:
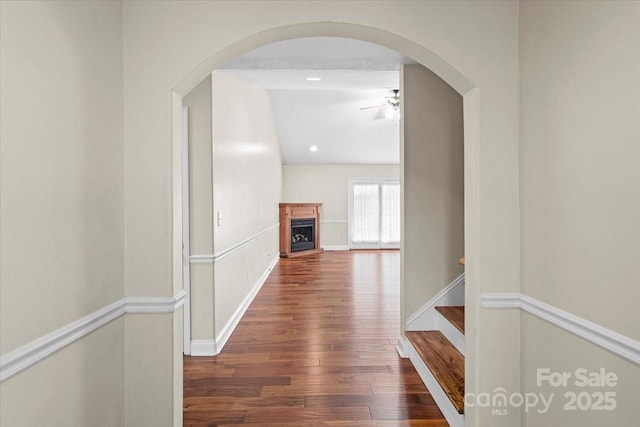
299	229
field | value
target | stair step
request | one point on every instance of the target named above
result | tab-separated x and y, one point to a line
454	314
444	361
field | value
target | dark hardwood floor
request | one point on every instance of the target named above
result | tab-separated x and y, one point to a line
315	348
454	314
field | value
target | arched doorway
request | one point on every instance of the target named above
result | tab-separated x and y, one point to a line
419	53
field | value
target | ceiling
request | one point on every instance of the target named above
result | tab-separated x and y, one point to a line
327	113
320	53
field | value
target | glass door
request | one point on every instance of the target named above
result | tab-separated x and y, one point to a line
390	215
374	219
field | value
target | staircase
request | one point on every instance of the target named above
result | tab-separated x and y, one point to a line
437	352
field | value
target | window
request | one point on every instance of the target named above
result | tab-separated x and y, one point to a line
374	220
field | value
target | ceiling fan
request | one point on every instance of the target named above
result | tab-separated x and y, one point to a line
392	104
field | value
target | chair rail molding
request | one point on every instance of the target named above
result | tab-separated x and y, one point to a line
597	334
215	257
23	357
141	305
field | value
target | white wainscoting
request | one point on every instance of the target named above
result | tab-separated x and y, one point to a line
597	334
23	357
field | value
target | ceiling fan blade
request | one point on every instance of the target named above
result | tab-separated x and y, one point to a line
373	106
380	114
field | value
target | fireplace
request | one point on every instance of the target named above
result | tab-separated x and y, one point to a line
302	234
299	229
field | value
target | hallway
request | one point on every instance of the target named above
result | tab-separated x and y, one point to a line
316	347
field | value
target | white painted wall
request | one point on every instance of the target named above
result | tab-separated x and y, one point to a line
247	183
329	185
580	190
478	39
62	178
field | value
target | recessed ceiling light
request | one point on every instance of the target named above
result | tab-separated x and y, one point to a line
313	148
313	79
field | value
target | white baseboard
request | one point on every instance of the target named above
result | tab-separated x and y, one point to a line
335	247
228	329
203	348
426	317
401	346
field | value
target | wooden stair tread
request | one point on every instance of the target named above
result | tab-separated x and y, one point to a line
444	361
454	314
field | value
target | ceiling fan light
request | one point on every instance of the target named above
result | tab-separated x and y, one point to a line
388	113
313	148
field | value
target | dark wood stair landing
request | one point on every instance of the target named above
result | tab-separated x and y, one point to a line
444	361
454	314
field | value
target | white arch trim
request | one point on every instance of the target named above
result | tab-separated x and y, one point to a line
417	52
405	46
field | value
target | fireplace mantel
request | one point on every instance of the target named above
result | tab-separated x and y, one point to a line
293	211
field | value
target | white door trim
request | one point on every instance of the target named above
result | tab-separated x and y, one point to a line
186	244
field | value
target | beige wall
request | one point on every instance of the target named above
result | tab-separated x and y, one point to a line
201	207
61	253
76	45
580	192
328	184
478	39
547	346
235	169
433	185
80	385
150	364
66	179
247	182
200	169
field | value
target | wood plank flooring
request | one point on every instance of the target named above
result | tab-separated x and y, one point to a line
454	314
315	348
445	362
